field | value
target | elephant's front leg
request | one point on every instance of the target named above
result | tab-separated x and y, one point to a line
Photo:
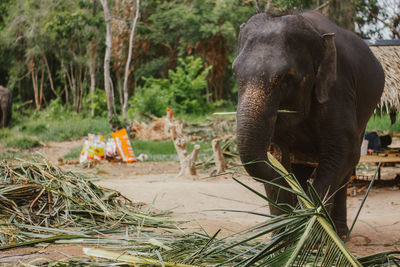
286	199
339	211
336	164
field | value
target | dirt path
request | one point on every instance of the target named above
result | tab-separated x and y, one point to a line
378	227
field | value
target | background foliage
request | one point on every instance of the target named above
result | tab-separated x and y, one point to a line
182	55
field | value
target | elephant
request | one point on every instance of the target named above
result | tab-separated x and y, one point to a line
307	88
5	106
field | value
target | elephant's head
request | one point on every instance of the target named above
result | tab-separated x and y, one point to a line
282	63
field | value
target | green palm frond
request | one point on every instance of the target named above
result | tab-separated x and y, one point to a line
302	236
319	244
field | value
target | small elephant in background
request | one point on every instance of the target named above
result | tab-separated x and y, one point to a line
5	106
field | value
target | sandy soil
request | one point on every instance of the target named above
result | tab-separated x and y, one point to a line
197	198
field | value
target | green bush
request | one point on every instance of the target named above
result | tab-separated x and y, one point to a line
183	91
5	133
55	110
56	123
152	98
73	154
11	155
187	86
381	122
73	127
165	150
23	142
99	103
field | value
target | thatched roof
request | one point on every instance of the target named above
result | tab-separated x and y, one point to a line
388	53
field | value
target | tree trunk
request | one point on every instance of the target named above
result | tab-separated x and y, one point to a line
49	75
72	85
187	161
219	159
107	79
342	12
42	96
92	69
128	63
119	87
65	82
82	82
35	84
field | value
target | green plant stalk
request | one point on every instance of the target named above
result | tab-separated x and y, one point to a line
128	258
40	240
363	201
327	227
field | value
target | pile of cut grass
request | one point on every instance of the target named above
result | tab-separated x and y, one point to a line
37	193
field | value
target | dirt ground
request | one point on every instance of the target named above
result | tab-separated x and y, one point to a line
197	198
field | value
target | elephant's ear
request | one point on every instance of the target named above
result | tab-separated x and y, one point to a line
326	75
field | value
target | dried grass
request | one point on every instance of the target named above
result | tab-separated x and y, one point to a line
39	194
150	131
389	56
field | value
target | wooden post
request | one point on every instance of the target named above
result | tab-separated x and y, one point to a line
218	156
187	162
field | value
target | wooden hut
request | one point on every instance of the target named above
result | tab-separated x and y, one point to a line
388	53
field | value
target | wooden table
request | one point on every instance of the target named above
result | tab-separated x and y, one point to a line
377	159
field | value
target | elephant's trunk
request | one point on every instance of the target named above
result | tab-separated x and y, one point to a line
256	117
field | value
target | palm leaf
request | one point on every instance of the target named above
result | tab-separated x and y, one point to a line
302	236
319	242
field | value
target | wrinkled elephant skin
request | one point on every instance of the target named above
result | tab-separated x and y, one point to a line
303	62
5	106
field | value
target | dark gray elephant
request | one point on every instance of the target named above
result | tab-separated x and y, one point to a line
5	106
303	62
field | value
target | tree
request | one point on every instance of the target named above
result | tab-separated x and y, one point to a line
342	13
202	28
92	49
111	114
6	58
378	19
128	62
49	41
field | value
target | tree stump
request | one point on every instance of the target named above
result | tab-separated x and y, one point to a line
187	161
218	156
